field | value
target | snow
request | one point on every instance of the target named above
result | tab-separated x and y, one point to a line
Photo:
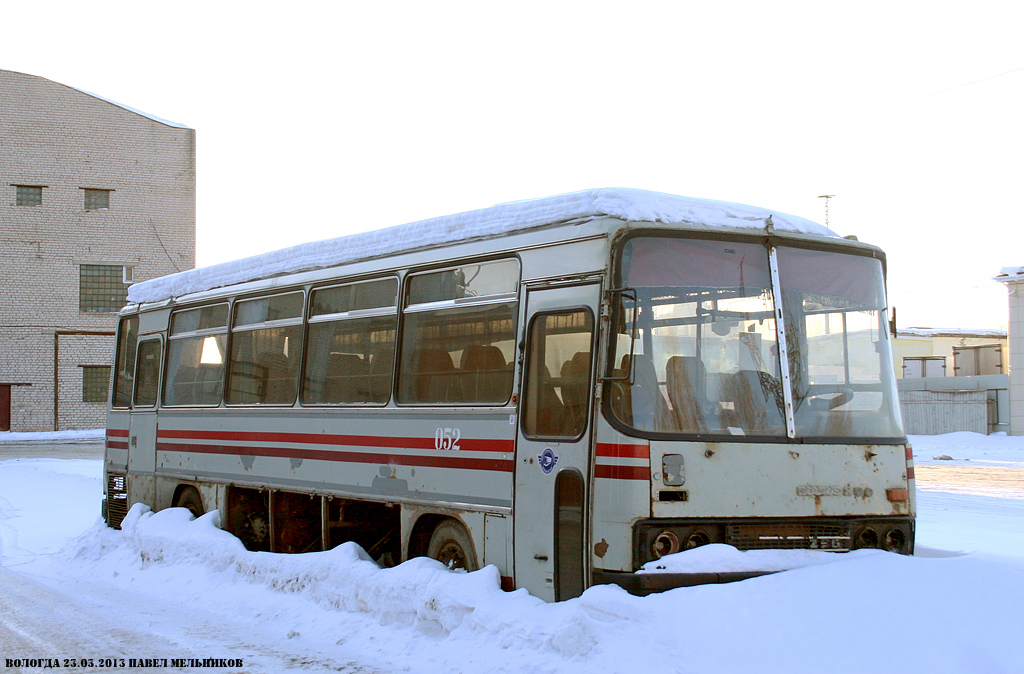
176	585
994	449
626	204
90	435
1010	274
136	111
725	558
951	332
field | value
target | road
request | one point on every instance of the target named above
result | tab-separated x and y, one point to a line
92	449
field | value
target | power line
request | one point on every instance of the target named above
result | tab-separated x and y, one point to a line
961	86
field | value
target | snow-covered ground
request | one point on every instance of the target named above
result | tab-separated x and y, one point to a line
64	437
170	587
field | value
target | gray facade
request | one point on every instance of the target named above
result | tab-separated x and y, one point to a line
93	196
1013	278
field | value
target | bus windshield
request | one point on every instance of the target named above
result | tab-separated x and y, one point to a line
698	349
840	362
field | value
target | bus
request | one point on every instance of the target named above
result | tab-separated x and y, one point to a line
566	388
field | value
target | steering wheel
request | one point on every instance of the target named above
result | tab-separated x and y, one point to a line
841	396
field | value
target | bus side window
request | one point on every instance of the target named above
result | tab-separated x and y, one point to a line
124	367
459	335
557	406
148	373
350	355
195	356
266	343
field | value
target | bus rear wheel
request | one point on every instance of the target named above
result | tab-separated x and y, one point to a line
189	498
451	545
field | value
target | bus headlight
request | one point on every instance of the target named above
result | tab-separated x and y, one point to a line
895	540
697	538
866	538
665	543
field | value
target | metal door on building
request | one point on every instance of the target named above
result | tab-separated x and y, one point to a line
553	443
5	407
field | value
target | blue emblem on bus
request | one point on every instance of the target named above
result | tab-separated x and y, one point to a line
547	460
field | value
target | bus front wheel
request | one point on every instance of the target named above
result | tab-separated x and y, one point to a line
451	545
189	498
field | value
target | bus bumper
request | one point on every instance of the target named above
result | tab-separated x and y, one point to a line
646	583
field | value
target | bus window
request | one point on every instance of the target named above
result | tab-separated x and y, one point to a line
838	343
148	373
558	375
195	356
266	346
705	358
124	365
458	344
351	351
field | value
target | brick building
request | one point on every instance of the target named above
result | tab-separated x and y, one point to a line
93	196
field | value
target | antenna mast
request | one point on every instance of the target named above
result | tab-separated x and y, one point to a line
826	197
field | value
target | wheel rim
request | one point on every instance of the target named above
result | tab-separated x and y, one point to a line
452	555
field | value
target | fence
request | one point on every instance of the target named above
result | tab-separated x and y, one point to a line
935	405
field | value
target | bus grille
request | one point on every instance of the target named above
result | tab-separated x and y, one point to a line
117	500
789	536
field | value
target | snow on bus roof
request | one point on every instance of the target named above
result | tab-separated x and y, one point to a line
626	204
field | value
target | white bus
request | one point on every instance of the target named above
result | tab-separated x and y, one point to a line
566	388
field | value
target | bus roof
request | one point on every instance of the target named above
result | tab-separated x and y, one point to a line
625	204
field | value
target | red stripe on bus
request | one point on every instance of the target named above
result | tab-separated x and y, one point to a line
111	444
622	472
117	433
451	460
465	444
618	451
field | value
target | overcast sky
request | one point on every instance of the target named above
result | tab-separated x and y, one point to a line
317	119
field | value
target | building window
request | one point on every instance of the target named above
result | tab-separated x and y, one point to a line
915	367
97	200
102	289
28	195
95	380
977	360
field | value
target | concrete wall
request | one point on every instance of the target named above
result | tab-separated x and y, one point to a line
1016	305
65	141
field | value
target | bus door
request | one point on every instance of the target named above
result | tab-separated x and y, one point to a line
553	441
142	427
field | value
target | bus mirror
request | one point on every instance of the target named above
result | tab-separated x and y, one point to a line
892	322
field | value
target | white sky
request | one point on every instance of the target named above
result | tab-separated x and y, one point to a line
316	119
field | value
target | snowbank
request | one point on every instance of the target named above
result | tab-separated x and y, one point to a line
717	557
627	204
949	614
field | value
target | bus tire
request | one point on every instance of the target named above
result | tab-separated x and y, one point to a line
189	498
451	545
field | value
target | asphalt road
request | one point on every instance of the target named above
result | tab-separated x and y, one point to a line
51	450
